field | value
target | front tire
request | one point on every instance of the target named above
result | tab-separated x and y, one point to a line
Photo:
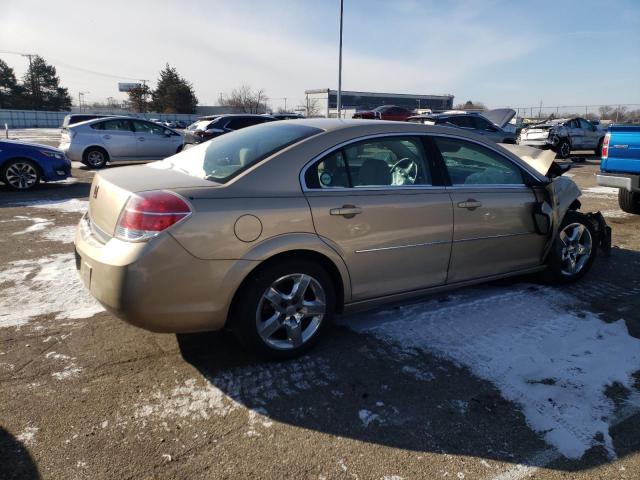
20	174
283	309
95	157
574	250
629	201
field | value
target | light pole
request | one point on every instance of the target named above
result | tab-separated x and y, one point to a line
339	97
80	98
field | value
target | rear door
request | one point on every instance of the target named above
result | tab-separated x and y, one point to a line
591	134
154	141
493	209
577	134
117	137
377	203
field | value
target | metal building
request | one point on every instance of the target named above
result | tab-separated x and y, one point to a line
325	101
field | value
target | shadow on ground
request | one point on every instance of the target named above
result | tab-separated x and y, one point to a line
355	386
16	462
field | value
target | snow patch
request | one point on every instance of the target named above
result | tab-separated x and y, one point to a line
48	285
28	436
65	234
555	364
367	417
39	224
616	214
70	205
600	192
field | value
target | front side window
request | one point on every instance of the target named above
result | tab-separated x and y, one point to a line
585	125
472	164
225	157
389	161
147	127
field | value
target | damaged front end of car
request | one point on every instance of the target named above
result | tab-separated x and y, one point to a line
556	196
552	135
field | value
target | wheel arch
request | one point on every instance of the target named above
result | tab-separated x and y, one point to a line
341	284
95	145
5	161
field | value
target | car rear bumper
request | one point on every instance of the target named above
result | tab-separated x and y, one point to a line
157	285
627	181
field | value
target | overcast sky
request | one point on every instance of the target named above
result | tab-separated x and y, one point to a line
503	53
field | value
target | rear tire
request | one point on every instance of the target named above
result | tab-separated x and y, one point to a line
573	251
95	157
629	201
20	174
599	148
563	150
272	318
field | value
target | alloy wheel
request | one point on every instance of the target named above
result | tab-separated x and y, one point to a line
95	158
565	149
290	311
576	245
21	175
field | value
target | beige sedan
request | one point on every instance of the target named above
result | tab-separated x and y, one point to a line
272	229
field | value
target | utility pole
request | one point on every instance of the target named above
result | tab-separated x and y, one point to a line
339	97
144	95
80	99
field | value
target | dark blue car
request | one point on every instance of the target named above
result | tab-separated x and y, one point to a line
23	165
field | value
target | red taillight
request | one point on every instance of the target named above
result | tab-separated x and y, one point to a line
147	214
605	146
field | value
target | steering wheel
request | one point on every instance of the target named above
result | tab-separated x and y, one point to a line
404	172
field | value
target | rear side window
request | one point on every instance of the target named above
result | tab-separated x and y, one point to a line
113	125
462	121
472	164
224	157
388	161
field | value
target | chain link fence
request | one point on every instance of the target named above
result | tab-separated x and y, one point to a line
41	119
618	113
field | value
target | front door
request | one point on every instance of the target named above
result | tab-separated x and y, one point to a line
117	137
494	230
152	140
591	136
375	202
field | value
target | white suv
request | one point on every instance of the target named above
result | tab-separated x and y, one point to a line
96	142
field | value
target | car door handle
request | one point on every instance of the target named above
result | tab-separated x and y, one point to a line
346	211
470	204
106	137
141	139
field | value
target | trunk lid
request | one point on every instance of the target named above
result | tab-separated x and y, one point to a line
112	188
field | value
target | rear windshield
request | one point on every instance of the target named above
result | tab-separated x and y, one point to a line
224	157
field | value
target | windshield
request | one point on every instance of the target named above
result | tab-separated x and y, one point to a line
226	156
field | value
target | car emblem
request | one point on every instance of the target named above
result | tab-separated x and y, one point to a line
95	191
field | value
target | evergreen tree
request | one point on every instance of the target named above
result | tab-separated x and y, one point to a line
11	94
42	87
138	98
173	94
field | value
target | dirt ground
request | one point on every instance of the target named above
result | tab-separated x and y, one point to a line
429	390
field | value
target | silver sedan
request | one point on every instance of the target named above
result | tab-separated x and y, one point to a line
103	140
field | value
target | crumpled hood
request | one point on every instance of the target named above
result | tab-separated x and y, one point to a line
539	160
499	116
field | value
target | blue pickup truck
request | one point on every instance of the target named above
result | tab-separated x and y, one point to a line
620	165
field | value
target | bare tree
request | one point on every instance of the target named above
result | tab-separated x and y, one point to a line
310	107
246	100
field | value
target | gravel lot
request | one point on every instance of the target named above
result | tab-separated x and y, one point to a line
503	381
